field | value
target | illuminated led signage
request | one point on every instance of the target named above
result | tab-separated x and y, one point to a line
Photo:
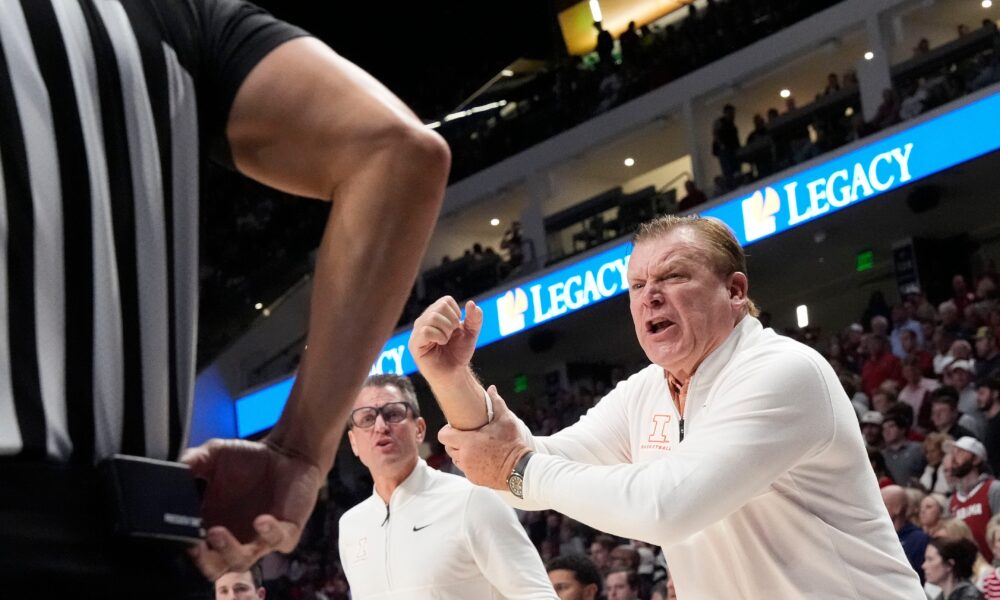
864	173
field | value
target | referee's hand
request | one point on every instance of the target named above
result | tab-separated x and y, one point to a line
256	501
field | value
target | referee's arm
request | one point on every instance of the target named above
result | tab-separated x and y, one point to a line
308	122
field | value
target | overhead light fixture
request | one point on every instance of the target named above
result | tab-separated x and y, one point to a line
785	93
494	221
434	125
507	73
258	306
629	161
987	3
870	55
802	314
595	11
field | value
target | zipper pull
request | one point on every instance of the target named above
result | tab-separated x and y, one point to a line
681	440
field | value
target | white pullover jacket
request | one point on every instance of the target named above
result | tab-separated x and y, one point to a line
439	538
770	495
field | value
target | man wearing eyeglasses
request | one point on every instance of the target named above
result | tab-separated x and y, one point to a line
424	533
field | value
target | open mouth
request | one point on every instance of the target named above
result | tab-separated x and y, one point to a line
655	327
382	443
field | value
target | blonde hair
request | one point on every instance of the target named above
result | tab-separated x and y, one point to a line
913	499
953	529
724	252
936	440
941	500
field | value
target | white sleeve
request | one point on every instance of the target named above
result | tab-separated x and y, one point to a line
502	550
772	414
600	437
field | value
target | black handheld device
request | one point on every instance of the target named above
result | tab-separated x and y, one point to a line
152	499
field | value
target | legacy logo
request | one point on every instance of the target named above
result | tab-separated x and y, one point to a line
759	213
510	311
573	290
836	190
579	290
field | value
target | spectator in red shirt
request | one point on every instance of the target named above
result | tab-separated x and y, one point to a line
880	364
911	348
977	493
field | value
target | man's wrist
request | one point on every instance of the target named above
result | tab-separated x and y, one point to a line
513	457
283	443
462	399
447	378
515	480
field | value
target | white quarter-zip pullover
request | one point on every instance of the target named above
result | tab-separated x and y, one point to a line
441	538
770	494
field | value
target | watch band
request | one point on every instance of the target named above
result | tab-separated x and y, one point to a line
515	481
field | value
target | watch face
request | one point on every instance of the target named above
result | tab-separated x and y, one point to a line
515	483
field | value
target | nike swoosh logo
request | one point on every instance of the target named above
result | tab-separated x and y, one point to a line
415	528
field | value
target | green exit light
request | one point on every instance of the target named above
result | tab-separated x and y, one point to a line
521	384
865	260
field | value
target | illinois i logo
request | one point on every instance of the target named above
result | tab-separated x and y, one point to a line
658	434
759	212
510	311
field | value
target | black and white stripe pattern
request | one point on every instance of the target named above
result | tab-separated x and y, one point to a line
98	221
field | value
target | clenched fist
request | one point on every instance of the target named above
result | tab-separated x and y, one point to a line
442	342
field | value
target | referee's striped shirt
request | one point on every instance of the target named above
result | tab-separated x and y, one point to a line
106	107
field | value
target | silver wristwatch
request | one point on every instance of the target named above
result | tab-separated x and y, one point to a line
515	481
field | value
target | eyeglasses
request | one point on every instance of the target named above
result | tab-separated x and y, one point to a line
392	412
